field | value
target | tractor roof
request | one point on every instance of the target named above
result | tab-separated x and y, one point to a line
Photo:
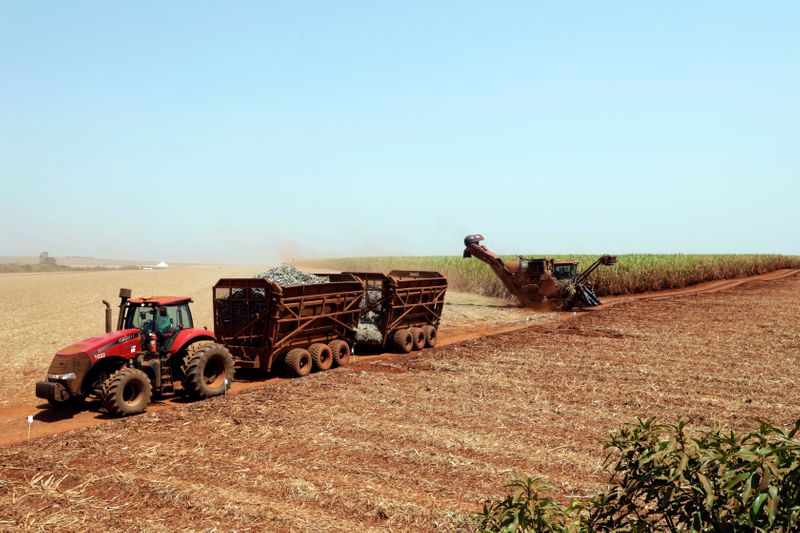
160	300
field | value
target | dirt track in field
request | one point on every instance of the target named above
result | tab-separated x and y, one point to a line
410	443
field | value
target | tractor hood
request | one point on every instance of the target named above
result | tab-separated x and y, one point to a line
119	343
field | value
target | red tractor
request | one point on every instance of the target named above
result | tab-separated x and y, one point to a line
154	347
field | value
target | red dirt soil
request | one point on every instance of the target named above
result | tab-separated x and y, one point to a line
417	442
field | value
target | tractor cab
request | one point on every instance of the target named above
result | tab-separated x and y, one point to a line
163	316
565	269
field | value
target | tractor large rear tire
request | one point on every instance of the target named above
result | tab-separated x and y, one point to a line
298	363
430	336
321	356
418	338
340	351
403	340
208	371
127	392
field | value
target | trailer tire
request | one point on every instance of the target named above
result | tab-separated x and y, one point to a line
403	340
127	392
321	357
298	362
208	371
340	352
418	338
430	336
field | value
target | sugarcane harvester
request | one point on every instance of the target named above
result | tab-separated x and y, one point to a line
537	282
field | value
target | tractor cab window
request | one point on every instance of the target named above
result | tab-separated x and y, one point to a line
179	316
141	317
146	317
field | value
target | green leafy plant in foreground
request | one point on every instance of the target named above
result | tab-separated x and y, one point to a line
665	478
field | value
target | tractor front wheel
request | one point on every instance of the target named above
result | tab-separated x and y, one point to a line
127	392
208	371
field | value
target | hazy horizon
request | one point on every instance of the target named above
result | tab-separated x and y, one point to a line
256	133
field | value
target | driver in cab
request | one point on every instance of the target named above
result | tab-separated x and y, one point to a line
164	326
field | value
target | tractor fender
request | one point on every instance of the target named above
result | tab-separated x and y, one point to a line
188	336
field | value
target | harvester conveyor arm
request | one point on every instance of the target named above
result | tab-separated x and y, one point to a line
496	263
606	260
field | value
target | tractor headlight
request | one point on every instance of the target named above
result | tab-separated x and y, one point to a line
61	377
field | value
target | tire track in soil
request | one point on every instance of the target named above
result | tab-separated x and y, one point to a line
13	419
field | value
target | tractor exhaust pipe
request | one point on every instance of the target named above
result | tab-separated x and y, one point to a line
108	316
124	296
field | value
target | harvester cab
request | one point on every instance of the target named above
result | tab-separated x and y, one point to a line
535	281
565	270
154	345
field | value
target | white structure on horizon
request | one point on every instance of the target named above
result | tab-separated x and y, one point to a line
162	264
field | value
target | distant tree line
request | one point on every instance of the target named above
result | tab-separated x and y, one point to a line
45	259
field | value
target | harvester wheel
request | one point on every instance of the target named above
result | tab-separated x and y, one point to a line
418	338
430	336
340	352
298	362
127	392
208	371
403	340
321	356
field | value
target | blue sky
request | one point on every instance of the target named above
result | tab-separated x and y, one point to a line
247	132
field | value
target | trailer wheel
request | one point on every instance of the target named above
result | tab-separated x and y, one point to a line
207	370
430	336
340	352
298	362
127	392
321	356
403	340
418	338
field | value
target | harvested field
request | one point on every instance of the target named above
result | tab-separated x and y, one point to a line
416	443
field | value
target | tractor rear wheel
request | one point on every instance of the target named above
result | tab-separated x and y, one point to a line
418	338
208	371
321	356
298	362
340	352
430	336
403	340
127	392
